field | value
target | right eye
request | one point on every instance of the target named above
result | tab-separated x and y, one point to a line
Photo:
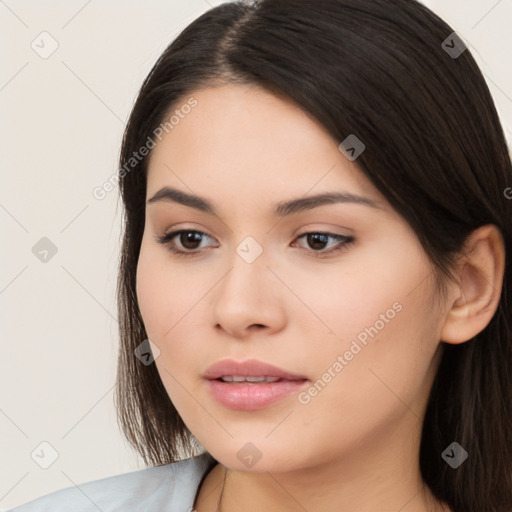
187	238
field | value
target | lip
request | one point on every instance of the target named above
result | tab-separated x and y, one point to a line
253	396
249	368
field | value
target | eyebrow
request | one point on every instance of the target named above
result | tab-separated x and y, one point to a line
282	209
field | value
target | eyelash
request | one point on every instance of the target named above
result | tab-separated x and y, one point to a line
167	239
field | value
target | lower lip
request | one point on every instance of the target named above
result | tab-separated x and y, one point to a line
249	397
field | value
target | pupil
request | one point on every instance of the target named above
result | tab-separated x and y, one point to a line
190	237
313	240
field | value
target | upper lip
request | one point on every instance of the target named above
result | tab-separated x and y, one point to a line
249	368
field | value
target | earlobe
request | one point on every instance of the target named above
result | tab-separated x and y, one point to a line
476	296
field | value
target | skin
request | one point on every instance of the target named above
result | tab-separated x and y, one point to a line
355	445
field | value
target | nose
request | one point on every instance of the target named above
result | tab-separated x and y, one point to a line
249	299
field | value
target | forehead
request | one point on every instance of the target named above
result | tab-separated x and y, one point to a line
245	142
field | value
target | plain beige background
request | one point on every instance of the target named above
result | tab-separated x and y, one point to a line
62	118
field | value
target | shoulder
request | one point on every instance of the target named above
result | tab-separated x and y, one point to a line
168	487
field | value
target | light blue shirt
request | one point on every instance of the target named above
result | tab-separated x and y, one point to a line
168	488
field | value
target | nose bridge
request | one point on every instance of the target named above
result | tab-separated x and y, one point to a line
245	296
248	268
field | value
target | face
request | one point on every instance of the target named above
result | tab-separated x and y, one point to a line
337	293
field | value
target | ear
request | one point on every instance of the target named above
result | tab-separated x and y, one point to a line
476	297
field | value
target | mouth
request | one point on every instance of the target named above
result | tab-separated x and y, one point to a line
252	384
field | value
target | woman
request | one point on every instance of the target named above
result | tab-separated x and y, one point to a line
315	284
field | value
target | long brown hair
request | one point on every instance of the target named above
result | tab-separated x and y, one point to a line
434	148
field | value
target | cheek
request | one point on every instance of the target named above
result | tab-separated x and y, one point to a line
163	309
361	295
148	293
169	297
384	370
383	329
158	292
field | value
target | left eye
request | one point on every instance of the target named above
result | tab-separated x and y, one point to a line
319	240
188	240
